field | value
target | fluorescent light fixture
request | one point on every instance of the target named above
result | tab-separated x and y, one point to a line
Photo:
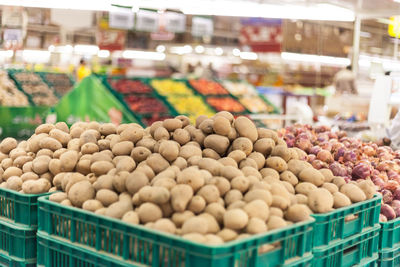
199	49
248	55
237	8
338	61
219	51
6	53
36	56
160	48
103	53
86	49
236	52
387	63
181	50
134	54
51	48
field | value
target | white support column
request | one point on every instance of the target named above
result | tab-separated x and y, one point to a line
356	38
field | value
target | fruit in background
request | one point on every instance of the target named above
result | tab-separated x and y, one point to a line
155	117
9	94
126	86
225	103
190	105
145	104
170	87
27	77
59	81
40	93
207	87
255	104
239	88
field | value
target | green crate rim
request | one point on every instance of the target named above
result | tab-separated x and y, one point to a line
389	228
14	261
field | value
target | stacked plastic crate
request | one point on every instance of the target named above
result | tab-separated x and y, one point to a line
389	244
348	236
18	226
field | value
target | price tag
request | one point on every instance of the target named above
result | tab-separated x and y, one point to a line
147	21
175	22
121	18
202	26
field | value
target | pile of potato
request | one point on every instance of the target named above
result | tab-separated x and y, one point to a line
217	181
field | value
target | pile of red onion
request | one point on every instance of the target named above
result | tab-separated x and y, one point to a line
351	159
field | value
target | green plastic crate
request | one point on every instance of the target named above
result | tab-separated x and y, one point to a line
389	257
142	246
355	250
19	208
17	241
305	261
390	234
332	227
7	261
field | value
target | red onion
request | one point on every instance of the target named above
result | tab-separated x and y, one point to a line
314	150
387	196
361	170
325	156
337	169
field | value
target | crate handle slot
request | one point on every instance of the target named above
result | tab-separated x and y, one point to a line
351	217
269	247
350	250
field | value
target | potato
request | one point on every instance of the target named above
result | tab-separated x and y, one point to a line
281	151
131	217
210	193
161	134
227	234
237	155
132	133
217	143
58	197
320	200
68	161
15	183
66	202
11	171
17	152
106	197
353	192
206	126
7	145
6	163
302	199
368	187
332	188
44	128
248	162
221	183
101	167
212	224
50	143
304	188
44	152
297	213
191	176
135	181
240	183
312	175
74	144
246	128
89	148
243	144
147	142
60	136
157	195
328	175
181	136
258	194
230	172
76	132
338	181
169	150
92	205
340	200
289	177
227	161
157	162
172	124
275	222
257	209
221	126
256	226
149	212
181	195
197	204
165	225
55	166
29	176
122	148
209	153
258	158
70	179
118	209
276	163
80	192
107	129
235	219
273	211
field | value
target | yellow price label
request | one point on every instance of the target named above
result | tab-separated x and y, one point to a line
394	26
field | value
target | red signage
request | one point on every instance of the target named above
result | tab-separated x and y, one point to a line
262	36
111	39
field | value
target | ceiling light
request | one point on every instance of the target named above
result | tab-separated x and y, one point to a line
340	61
219	51
6	53
181	50
199	49
103	53
160	48
36	56
248	55
133	54
236	52
86	49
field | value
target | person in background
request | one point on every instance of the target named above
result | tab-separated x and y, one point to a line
209	72
345	81
82	70
175	73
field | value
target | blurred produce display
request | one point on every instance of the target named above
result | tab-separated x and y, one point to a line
239	88
192	105
126	86
9	94
351	159
225	104
207	87
256	104
40	93
168	87
145	104
59	81
28	77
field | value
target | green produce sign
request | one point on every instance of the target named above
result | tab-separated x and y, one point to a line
20	122
90	100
